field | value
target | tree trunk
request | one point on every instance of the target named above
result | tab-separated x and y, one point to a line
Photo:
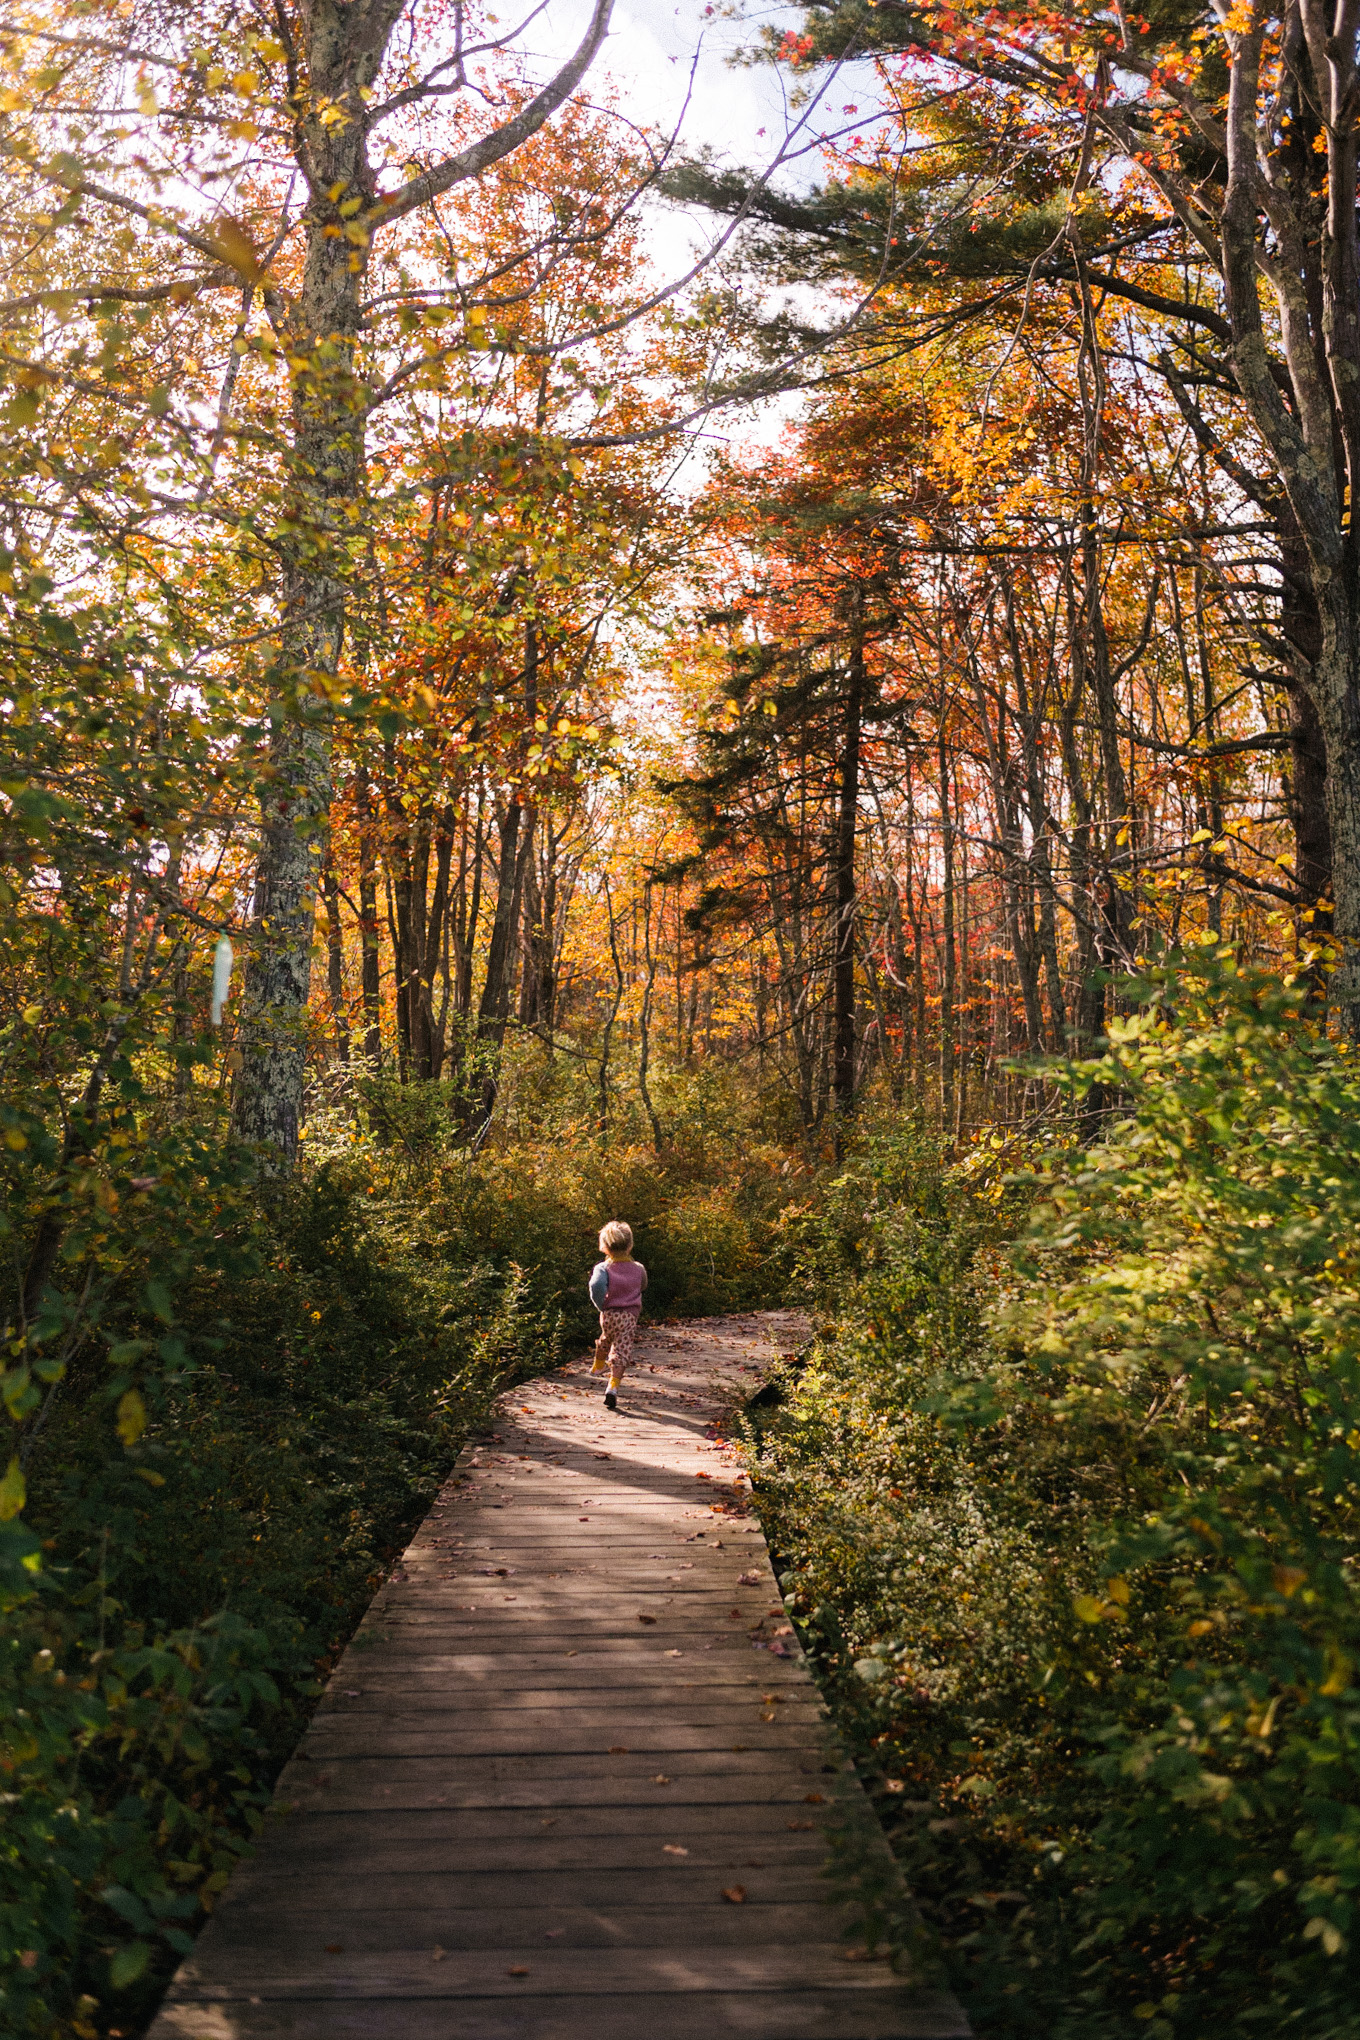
335	960
1307	790
847	823
343	44
369	935
468	939
949	984
606	1038
329	408
494	1010
652	956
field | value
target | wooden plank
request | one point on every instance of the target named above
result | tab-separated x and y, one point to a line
505	1888
427	1738
438	1835
520	1805
281	1935
309	1967
757	2015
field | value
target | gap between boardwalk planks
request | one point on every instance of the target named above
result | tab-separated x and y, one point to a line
571	1779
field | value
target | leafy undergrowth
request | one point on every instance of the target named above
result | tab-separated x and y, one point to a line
256	1401
1065	1506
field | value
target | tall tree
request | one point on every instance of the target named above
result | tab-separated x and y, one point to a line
336	101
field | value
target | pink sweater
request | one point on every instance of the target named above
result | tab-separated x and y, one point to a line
618	1285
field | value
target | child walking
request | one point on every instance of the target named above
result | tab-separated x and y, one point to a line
616	1286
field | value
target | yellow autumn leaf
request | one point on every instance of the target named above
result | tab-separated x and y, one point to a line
131	1417
235	247
13	1492
1338	1676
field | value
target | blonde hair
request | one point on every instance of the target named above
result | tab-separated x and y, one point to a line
616	1236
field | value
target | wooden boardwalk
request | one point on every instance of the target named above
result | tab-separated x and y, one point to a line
571	1778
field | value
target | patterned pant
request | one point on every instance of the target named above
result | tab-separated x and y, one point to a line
617	1331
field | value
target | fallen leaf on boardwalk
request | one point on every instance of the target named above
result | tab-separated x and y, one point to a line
436	1955
703	1476
738	1747
618	1749
661	1779
813	1799
518	1970
675	1653
748	1579
735	1894
650	1619
335	1947
673	1849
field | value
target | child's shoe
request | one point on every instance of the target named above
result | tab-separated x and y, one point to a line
611	1397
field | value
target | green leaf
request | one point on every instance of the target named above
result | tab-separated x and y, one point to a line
20	1559
128	1349
129	1963
158	1296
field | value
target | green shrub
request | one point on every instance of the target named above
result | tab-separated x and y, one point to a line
198	1573
226	1453
1072	1531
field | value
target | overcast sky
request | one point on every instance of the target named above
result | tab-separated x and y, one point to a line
657	55
651	47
